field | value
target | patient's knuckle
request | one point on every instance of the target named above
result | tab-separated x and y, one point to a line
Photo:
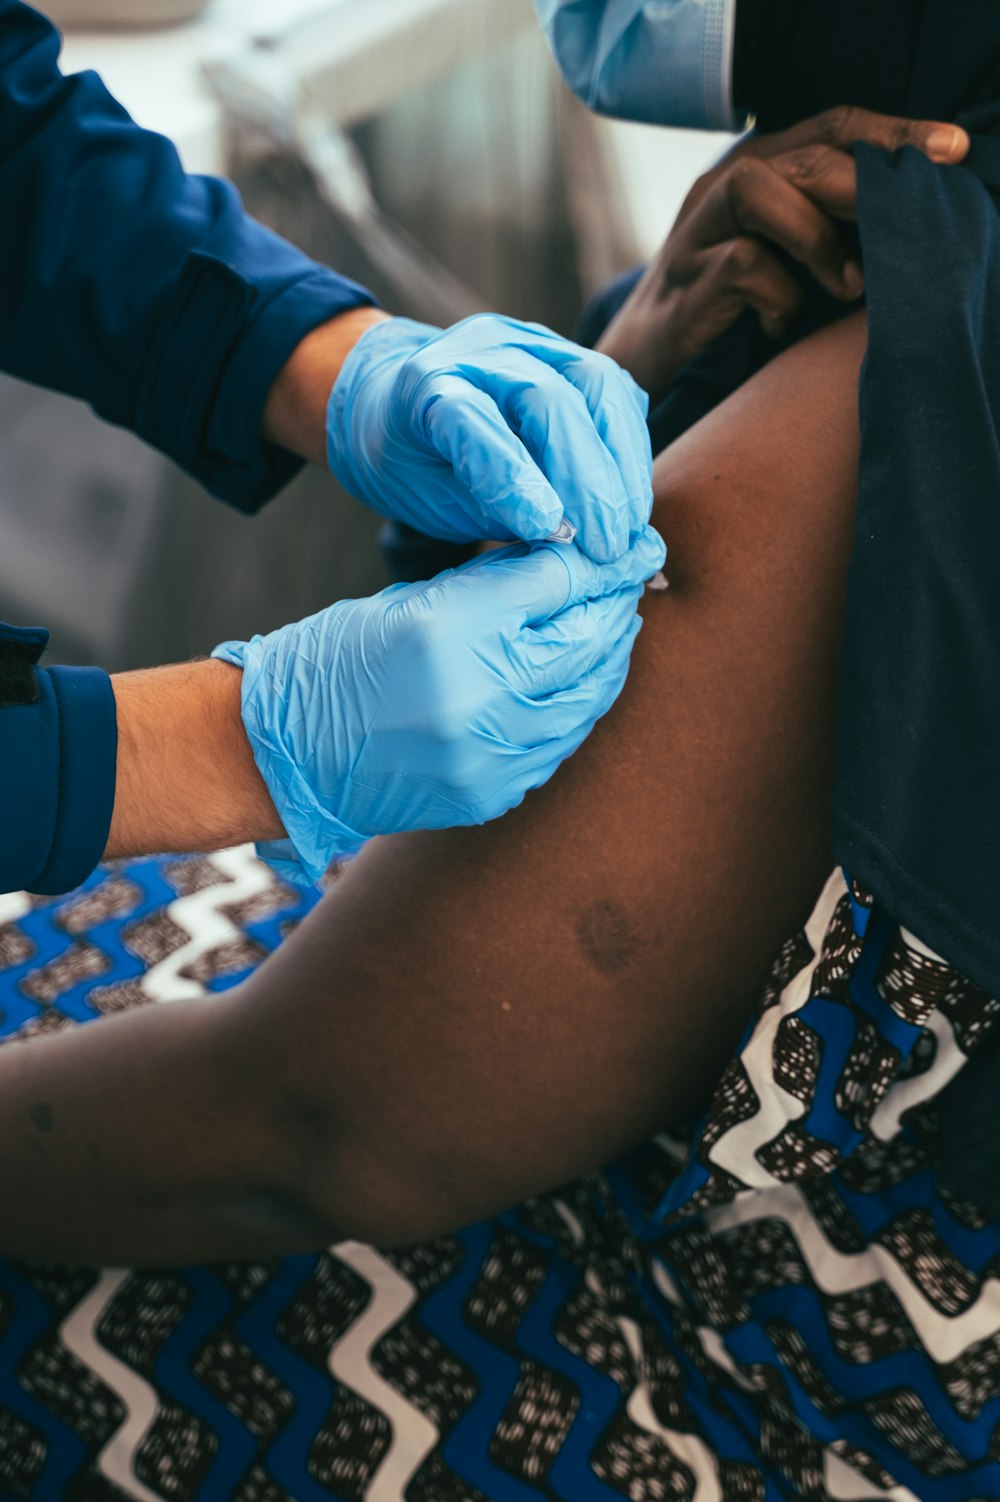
809	165
740	258
907	133
835	126
745	180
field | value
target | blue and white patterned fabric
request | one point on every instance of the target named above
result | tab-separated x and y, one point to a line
774	1304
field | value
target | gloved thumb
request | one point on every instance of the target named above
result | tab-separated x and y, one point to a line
645	557
532	583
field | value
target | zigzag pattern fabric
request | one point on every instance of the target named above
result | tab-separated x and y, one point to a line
774	1304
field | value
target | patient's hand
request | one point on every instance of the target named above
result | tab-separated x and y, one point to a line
771	209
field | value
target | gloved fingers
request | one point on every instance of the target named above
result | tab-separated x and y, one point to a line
591	581
528	586
618	409
507	492
559	725
583	419
559	431
576	710
559	653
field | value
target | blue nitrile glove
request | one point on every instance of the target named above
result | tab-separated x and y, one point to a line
440	703
492	429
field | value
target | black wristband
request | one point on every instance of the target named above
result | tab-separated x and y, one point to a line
18	683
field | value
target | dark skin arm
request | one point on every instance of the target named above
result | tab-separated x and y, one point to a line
472	1016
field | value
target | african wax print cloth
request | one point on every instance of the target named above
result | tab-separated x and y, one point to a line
773	1302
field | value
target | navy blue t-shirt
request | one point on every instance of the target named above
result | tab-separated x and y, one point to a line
917	791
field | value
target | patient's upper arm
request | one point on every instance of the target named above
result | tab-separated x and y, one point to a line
475	1015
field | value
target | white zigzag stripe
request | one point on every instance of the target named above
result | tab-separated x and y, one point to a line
845	1484
117	1459
570	1221
687	1447
944	1336
665	1283
948	1060
14	905
736	1150
912	942
413	1434
199	915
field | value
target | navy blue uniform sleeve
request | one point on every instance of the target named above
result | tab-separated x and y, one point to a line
143	289
58	746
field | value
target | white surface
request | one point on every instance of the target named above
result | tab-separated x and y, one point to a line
368	45
359	54
656	167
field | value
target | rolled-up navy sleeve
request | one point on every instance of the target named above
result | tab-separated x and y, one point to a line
58	745
142	289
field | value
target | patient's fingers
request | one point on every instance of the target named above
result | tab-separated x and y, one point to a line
845	125
745	273
790	201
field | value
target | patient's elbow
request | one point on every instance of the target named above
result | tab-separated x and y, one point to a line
384	1192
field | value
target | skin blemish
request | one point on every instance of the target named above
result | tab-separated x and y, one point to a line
505	1006
606	937
41	1116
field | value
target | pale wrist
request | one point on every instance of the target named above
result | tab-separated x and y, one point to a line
186	776
295	415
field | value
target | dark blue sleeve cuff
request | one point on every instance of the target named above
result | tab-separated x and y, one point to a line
57	759
223	340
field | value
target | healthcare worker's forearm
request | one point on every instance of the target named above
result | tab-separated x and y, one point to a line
295	415
143	289
136	1142
186	777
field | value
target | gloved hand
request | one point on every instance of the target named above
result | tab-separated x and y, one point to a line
439	703
492	429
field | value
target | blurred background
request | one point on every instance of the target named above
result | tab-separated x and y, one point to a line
425	147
